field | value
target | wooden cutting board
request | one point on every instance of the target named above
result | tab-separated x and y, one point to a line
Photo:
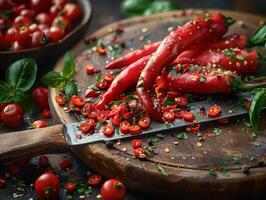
187	165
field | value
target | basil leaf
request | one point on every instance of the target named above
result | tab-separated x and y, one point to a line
69	66
22	74
258	38
54	79
5	94
135	7
257	103
160	6
27	102
71	89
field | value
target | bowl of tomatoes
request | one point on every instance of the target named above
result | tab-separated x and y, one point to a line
40	29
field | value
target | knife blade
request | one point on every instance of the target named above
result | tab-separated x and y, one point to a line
230	108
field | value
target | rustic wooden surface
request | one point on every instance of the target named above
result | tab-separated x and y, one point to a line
187	165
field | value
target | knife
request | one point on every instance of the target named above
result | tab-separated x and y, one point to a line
58	138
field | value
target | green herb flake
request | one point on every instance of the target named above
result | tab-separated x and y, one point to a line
212	172
253	158
217	131
233	159
182	136
161	169
202	79
224	172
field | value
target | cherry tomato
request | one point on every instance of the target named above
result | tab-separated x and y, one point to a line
113	189
70	187
27	13
24	36
39	124
134	129
2	106
86	109
214	111
181	101
90	69
72	12
61	23
65	164
40	5
124	127
101	117
86	128
38	39
115	119
139	153
108	78
14	169
90	92
136	143
193	128
11	34
43	18
34	27
20	21
94	180
223	121
60	100
169	116
144	122
47	186
12	115
77	101
44	161
108	130
2	182
55	10
56	34
40	95
102	85
187	116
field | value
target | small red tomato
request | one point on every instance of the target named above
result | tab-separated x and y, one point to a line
11	34
40	5
214	111
46	113
136	143
144	122
47	186
56	34
77	101
40	95
43	18
90	92
61	23
86	109
65	164
2	182
101	117
55	10
102	85
27	13
169	116
193	128
14	169
20	21
139	153
44	161
70	187
113	189
90	69
134	129
2	106
87	127
223	121
108	78
187	116
12	115
124	127
39	124
115	119
72	12
181	101
34	27
38	39
24	36
108	130
60	100
94	180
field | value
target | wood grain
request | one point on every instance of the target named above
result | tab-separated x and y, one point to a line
187	164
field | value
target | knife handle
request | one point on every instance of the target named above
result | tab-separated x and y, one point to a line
29	143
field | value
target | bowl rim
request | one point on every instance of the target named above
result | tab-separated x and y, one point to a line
87	14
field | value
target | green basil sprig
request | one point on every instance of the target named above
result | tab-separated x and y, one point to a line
258	102
146	7
63	80
258	38
20	77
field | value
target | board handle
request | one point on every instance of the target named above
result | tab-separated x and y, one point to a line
29	143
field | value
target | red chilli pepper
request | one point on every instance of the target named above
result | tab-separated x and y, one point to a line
133	56
202	29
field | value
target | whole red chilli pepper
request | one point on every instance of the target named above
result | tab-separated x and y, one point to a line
239	60
133	56
127	78
201	29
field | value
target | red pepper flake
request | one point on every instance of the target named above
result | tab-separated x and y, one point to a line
210	134
90	69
